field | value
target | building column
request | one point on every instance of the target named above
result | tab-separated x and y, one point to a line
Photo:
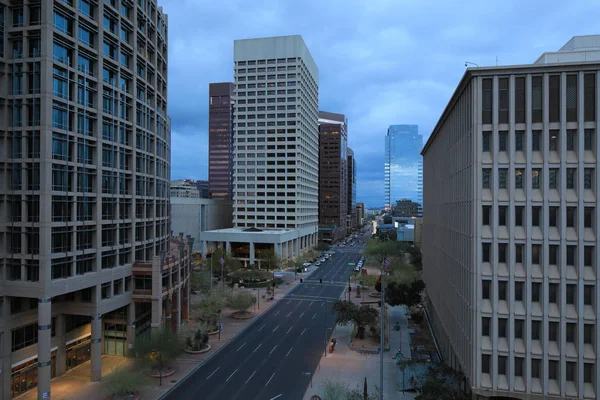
96	348
278	250
227	247
185	310
44	347
178	309
297	246
5	363
61	352
204	249
130	325
251	253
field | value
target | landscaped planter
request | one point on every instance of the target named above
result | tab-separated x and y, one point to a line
165	374
205	350
215	332
238	315
132	396
375	295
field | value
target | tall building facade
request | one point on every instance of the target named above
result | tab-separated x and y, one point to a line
351	219
84	181
220	140
403	165
203	188
510	232
333	176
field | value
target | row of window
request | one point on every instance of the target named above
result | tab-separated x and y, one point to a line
537	216
271	61
571	178
554	139
502	292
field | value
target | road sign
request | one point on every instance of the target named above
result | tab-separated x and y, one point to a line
352	264
279	275
222	261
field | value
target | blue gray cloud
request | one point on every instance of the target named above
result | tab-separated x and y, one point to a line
381	62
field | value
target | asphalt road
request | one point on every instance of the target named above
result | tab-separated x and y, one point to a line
276	356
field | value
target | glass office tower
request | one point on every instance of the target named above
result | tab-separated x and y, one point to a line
403	164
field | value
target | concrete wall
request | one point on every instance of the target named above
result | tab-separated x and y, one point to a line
194	216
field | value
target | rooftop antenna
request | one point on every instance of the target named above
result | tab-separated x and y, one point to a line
472	63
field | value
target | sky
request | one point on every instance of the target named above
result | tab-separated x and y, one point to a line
381	62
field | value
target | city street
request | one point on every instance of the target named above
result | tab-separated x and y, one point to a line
276	357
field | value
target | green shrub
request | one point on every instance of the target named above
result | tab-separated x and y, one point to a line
197	341
121	382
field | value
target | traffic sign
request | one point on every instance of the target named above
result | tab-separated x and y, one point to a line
352	264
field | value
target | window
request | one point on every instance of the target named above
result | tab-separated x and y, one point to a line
502	361
535	178
487	101
553	216
588	140
537	99
588	178
553	140
571	215
553	331
85	36
502	140
571	139
519	253
554	98
536	327
553	178
536	368
485	326
588	373
502	327
520	99
486	214
553	293
485	363
519	328
485	140
571	332
502	289
571	99
503	178
519	140
588	256
571	176
519	178
536	250
536	141
588	216
588	334
485	181
86	8
571	294
571	255
503	101
519	211
502	215
485	289
519	291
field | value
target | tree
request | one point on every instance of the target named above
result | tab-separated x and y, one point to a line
241	301
388	235
146	348
200	279
322	246
209	308
231	263
360	315
270	258
440	382
197	341
121	383
400	293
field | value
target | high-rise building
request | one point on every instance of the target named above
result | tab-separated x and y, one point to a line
276	150
510	228
406	208
403	165
360	213
351	218
203	188
220	140
84	182
333	176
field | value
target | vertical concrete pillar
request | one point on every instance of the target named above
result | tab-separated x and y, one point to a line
297	245
61	352
44	347
252	253
5	363
204	249
96	348
227	247
130	325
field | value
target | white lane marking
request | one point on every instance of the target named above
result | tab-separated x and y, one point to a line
288	331
300	302
277	327
258	347
276	314
301	315
248	380
261	328
288	314
241	346
213	373
289	351
322	304
226	380
271	352
303	332
269	382
314	316
311	303
288	302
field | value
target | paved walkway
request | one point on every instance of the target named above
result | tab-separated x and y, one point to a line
351	368
76	384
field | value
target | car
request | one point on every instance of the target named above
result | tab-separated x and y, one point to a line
357	269
306	265
318	263
323	260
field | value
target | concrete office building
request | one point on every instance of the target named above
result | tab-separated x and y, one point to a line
406	208
333	176
184	188
220	140
510	232
84	178
203	188
276	150
351	218
360	213
403	165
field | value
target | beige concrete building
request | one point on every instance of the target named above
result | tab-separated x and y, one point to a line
510	234
276	144
84	183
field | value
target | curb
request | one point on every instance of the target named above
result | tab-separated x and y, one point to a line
216	352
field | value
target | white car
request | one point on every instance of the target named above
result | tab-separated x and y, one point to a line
318	263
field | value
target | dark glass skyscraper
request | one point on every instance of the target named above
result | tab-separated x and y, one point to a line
220	140
403	165
351	189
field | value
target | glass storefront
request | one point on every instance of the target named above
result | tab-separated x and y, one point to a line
78	352
24	377
115	339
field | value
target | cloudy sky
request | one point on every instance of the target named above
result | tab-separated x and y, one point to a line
381	62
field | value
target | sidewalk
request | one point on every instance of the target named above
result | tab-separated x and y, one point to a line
76	384
351	368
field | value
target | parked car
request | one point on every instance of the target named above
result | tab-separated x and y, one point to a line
318	263
306	265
